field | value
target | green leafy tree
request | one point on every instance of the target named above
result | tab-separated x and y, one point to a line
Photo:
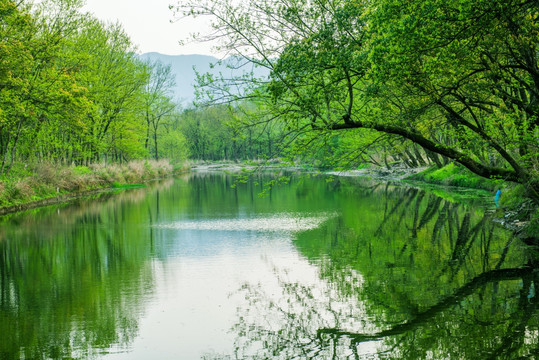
471	65
229	132
459	79
174	146
157	103
115	79
36	88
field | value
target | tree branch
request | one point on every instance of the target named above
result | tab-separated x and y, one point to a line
465	160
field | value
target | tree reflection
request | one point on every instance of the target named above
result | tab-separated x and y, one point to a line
513	332
74	278
399	273
409	276
306	324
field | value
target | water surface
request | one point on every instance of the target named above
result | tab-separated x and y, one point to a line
194	268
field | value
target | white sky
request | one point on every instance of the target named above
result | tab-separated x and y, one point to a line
147	22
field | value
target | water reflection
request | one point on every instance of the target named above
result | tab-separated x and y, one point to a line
72	281
304	323
408	275
346	269
287	222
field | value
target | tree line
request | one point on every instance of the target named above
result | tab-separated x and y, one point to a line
73	90
350	82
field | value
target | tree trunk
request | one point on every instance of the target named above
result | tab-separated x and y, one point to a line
14	148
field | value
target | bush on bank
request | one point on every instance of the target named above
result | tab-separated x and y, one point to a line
455	175
46	180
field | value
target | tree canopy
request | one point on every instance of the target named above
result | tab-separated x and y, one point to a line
73	89
460	79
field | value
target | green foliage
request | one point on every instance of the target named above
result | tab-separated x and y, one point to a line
73	90
230	133
444	81
454	175
81	170
513	197
174	147
160	111
117	185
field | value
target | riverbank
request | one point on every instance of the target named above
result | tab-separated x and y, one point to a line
45	183
513	210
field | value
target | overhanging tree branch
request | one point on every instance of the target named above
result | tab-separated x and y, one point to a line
460	157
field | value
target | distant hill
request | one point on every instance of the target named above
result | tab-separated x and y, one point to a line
183	67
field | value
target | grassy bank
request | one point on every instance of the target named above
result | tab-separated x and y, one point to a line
46	180
454	175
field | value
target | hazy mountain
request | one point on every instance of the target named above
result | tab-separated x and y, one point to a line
183	66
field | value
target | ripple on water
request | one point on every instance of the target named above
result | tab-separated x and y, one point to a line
283	222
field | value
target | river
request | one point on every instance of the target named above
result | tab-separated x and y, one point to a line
198	267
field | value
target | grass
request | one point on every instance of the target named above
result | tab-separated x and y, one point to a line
117	185
47	180
454	175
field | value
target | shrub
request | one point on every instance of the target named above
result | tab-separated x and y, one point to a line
82	170
136	169
455	175
163	167
22	189
149	170
46	172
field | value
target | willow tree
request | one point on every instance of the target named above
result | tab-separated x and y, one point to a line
458	78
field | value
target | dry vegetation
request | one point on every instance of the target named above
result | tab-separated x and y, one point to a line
46	180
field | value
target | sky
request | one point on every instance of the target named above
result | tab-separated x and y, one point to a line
147	22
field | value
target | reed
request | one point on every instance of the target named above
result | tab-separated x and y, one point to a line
46	180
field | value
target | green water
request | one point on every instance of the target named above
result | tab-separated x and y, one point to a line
192	268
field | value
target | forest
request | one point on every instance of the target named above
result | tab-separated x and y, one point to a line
351	83
74	91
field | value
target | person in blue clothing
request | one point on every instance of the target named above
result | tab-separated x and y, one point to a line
497	197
